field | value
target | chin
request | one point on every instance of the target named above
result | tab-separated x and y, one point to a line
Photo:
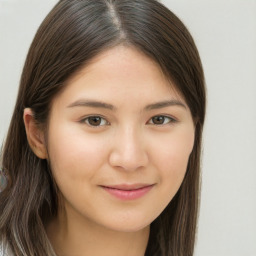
133	225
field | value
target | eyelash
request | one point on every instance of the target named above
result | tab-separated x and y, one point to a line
85	120
171	119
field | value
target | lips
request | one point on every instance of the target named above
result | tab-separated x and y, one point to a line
128	191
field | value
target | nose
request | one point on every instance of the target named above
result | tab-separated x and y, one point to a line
128	151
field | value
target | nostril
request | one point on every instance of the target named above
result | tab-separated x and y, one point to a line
128	160
128	151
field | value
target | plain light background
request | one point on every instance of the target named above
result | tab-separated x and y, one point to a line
225	33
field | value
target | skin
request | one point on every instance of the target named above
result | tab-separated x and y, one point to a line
125	146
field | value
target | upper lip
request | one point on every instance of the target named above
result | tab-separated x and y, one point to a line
128	186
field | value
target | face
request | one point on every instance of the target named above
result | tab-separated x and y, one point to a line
119	141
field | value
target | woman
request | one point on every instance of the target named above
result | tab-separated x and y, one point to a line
103	151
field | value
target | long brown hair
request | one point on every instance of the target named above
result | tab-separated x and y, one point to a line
70	36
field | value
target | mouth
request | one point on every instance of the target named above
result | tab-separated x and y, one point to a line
128	191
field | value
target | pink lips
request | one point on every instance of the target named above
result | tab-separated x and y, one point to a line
128	192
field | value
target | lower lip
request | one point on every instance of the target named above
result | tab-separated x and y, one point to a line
128	194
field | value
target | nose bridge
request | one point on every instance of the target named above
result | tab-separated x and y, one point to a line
129	150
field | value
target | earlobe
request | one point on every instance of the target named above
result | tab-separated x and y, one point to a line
35	135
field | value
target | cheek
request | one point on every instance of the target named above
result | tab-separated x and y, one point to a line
176	157
174	149
74	154
172	160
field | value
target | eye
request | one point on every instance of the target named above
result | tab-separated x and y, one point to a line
95	121
161	120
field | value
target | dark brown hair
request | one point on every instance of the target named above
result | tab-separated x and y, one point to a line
70	36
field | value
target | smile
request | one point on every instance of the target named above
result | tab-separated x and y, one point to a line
128	192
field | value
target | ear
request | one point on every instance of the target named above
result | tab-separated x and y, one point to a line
35	135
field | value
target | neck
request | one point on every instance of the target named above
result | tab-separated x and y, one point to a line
71	235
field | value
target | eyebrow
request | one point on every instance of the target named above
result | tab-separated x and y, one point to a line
164	104
100	104
91	103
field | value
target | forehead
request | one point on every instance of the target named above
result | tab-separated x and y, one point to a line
124	71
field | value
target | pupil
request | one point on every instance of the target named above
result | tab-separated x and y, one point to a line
94	120
158	120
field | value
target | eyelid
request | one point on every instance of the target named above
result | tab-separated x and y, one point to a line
172	120
83	120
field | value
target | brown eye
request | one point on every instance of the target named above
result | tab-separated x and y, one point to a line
95	121
160	120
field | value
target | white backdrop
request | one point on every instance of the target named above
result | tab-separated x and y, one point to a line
225	33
